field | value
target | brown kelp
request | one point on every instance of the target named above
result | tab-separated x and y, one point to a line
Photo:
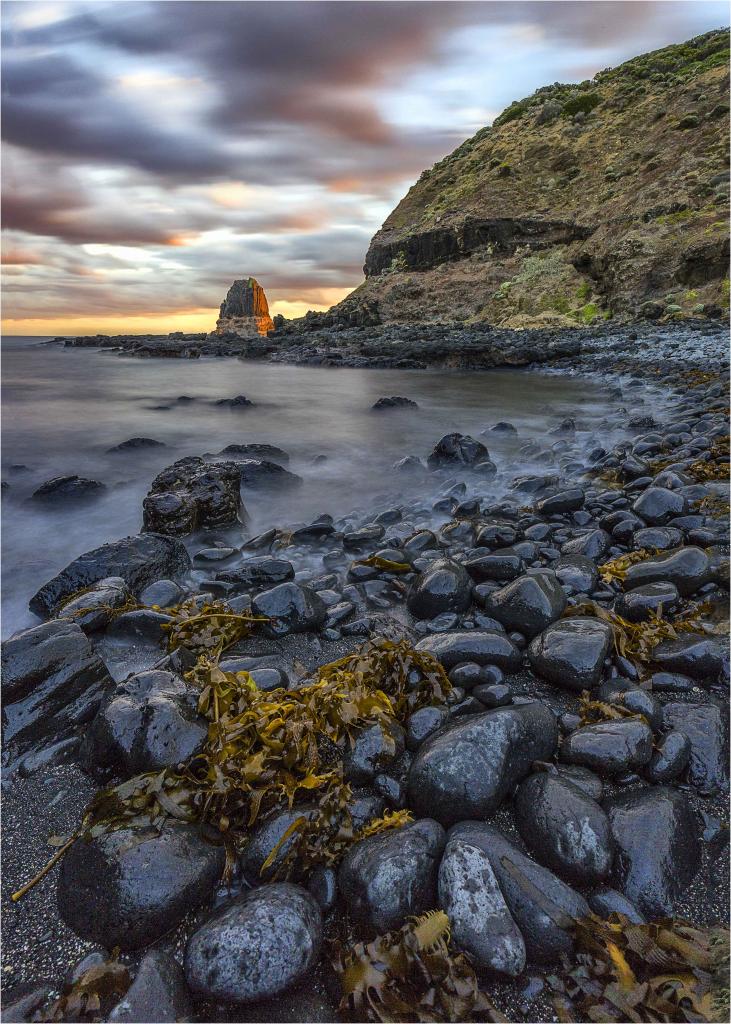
92	995
410	975
665	971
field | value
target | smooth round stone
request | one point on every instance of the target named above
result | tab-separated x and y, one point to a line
290	609
422	723
591	545
486	647
658	505
669	759
570	500
605	901
499	566
577	573
571	652
496	535
467	675
130	886
700	657
582	778
480	922
257	947
671	682
444	587
565	829
373	749
323	885
642	702
688	568
638	604
163	593
493	695
660	538
610	747
268	679
527	604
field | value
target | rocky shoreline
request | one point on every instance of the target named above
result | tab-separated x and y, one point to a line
606	575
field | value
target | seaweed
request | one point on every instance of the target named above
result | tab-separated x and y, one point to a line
92	995
637	640
410	975
617	568
385	564
665	971
207	630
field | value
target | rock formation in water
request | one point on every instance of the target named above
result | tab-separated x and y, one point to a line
245	311
604	199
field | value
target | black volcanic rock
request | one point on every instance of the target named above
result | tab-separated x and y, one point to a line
193	495
67	489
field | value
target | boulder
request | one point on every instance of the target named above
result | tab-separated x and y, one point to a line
264	475
191	495
482	646
158	992
564	828
255	451
479	919
457	450
256	947
658	850
53	682
688	568
658	505
138	560
700	657
570	500
571	652
67	490
637	605
245	311
592	544
543	907
372	751
669	758
444	587
290	609
394	402
130	886
528	604
134	444
610	747
387	878
95	608
706	727
260	572
501	565
468	768
150	722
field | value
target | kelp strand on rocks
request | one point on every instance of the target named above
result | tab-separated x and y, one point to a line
617	568
92	995
664	971
410	975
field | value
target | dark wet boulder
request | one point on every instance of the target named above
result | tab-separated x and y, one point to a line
290	608
255	451
528	604
394	402
158	992
658	850
483	646
570	500
564	828
191	495
264	475
479	919
571	652
577	573
140	626
605	901
410	465
657	538
582	778
700	657
256	947
456	450
468	768
150	722
706	728
53	682
388	877
238	402
129	886
543	907
688	568
67	490
669	758
135	444
610	747
163	593
373	750
95	608
637	605
501	565
658	505
443	587
422	723
496	533
260	572
591	544
138	560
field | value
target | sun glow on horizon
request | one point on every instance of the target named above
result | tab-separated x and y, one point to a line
190	321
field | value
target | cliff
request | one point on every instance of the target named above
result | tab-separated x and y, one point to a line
604	199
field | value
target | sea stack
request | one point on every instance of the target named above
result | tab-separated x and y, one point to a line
245	311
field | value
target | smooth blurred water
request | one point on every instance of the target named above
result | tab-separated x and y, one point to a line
63	408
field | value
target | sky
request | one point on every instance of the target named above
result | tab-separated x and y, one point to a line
155	151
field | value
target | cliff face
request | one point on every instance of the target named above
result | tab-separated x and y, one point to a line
609	198
245	310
